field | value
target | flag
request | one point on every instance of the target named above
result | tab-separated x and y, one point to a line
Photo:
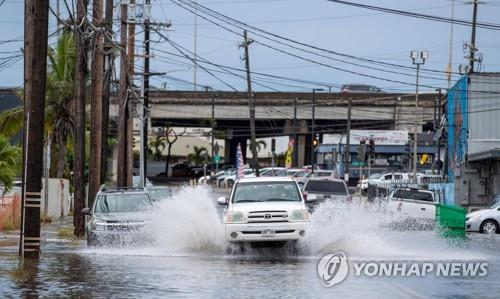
240	164
289	153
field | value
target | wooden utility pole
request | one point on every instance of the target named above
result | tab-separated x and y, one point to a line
79	128
96	103
36	21
472	46
130	120
347	154
146	94
251	104
106	93
122	169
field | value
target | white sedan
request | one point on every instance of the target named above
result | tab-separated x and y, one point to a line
484	221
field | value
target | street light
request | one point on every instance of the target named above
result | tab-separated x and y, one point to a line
313	125
414	55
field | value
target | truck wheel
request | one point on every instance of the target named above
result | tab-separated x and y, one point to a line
489	227
91	240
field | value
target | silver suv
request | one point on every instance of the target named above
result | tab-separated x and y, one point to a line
320	189
118	215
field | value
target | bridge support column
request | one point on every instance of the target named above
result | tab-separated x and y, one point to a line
230	149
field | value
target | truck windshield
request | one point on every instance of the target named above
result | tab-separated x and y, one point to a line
265	192
118	203
334	187
413	194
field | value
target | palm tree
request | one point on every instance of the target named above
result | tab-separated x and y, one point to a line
59	101
60	96
156	147
10	160
198	156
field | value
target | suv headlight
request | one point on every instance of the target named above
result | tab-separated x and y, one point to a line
234	217
98	225
300	215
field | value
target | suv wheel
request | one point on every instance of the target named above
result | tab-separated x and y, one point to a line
489	227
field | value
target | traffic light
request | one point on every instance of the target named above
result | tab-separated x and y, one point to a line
316	140
362	151
371	146
424	159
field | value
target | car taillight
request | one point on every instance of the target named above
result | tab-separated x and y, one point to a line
304	194
349	198
400	205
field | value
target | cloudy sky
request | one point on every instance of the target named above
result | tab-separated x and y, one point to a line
348	30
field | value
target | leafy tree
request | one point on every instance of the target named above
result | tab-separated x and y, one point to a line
156	146
259	144
198	156
171	138
59	101
10	161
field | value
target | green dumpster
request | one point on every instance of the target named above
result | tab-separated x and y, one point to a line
450	221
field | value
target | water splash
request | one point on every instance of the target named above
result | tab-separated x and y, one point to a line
189	222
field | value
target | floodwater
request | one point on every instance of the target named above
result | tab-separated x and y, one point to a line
191	259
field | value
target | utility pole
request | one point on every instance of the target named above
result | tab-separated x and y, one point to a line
130	83
195	46
313	125
212	135
96	103
146	93
347	155
295	143
106	93
251	103
415	55
122	169
472	46
79	133
36	19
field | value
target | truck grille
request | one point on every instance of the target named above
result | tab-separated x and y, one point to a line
267	216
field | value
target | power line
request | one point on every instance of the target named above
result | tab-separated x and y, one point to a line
232	21
483	25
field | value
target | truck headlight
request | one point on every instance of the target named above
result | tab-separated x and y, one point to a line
234	217
300	215
98	225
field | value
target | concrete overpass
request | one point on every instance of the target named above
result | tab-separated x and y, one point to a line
275	113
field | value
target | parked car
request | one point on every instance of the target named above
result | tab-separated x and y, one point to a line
318	190
159	193
136	180
374	178
324	174
231	179
265	209
221	178
118	216
417	206
360	88
485	221
302	176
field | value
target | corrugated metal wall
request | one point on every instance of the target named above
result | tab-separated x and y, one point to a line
483	112
457	125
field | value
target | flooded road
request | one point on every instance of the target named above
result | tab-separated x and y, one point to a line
190	259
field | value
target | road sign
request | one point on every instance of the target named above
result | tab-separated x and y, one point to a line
217	158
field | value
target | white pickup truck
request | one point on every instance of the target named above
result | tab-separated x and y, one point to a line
410	204
265	209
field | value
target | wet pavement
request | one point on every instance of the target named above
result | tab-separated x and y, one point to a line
190	259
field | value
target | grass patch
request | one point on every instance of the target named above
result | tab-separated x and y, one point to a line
66	232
